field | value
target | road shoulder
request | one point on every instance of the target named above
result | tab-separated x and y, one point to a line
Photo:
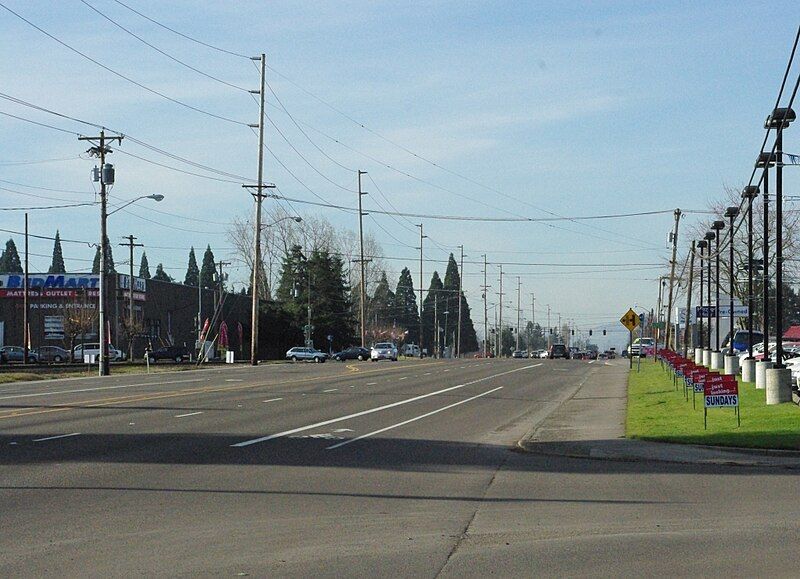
591	424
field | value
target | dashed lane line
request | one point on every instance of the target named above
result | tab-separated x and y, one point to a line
55	437
188	414
272	400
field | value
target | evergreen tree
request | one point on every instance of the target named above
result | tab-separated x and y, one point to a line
109	260
57	265
161	275
9	261
452	283
434	302
208	273
144	267
406	311
192	271
382	310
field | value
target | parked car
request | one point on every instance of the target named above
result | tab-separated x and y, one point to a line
412	351
591	355
544	354
642	346
52	354
384	351
176	353
93	348
742	339
16	354
354	353
519	354
301	353
558	351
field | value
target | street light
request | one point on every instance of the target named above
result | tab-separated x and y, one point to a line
274	223
707	352
716	358
779	379
731	361
749	365
698	355
155	197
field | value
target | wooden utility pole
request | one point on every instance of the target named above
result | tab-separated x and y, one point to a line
106	177
130	245
519	307
485	288
25	332
672	278
421	237
500	339
460	299
362	262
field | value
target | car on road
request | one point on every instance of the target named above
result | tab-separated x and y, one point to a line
383	351
412	351
308	354
52	354
642	346
16	354
177	354
93	349
519	354
558	351
544	354
354	353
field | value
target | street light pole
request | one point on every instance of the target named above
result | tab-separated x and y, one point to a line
698	355
778	379
707	352
731	360
749	365
363	264
460	299
717	362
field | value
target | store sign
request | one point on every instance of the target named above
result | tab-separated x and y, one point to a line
139	283
53	328
739	311
12	285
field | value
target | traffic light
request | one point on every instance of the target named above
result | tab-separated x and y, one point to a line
573	332
590	332
551	331
604	332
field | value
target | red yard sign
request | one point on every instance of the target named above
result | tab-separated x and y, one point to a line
721	392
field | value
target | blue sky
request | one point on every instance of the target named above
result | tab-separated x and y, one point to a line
572	108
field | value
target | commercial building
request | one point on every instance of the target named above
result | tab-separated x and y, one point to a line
63	308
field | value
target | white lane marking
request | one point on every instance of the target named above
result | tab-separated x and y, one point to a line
371	383
331	390
54	437
462	367
234	380
99	388
189	414
404	378
377	409
428	373
343	430
447	369
272	400
410	420
591	361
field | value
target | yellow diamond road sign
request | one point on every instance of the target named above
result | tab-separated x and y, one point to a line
630	320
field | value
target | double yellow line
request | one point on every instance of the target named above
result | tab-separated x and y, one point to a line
176	393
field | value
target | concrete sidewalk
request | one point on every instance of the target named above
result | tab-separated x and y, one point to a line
591	424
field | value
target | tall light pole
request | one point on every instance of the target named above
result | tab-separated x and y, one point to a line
519	307
749	365
707	352
485	309
698	355
731	360
363	264
460	299
765	161
778	379
717	362
421	237
677	214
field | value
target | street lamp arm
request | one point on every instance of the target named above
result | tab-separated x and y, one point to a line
155	197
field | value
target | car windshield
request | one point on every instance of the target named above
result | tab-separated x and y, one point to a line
383	346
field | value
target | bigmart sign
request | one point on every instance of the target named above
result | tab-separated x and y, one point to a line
12	285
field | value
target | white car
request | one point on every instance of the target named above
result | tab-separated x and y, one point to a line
383	351
93	349
544	355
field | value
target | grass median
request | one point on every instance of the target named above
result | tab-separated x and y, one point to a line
656	411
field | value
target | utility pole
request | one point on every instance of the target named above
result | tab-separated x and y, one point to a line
460	299
436	321
421	237
519	308
363	265
221	264
106	177
672	280
130	245
500	340
689	303
259	196
485	310
25	332
533	319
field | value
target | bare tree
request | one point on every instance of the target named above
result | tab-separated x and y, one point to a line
79	320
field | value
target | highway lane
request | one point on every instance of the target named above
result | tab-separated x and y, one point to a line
152	481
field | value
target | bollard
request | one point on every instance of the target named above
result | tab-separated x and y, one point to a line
779	385
761	374
717	361
749	370
731	365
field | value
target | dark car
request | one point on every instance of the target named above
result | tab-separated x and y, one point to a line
354	353
558	351
176	353
52	354
16	354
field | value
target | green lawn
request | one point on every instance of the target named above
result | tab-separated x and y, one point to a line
54	372
656	411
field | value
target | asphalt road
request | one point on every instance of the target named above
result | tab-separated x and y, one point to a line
362	469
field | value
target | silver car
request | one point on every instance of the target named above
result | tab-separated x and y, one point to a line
301	353
383	351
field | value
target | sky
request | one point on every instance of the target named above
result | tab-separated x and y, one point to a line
477	109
